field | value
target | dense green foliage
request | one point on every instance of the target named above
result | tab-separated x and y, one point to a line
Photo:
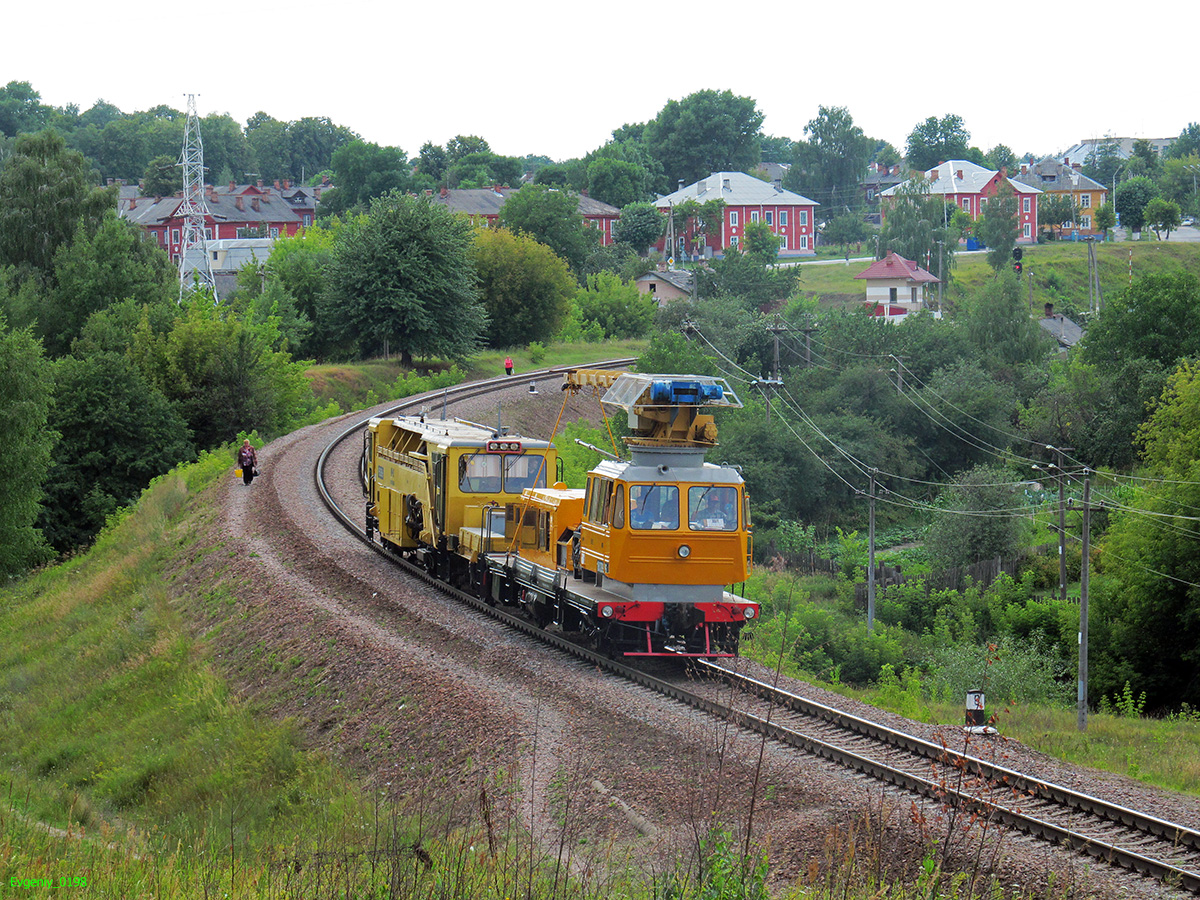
46	195
526	289
402	278
936	141
550	217
708	131
1147	609
26	389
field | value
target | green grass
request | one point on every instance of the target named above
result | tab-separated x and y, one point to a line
490	363
357	385
1059	270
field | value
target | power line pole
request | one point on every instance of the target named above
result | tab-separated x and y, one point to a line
899	370
1084	580
1060	453
871	558
808	330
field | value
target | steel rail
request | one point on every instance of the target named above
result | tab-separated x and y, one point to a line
999	778
1019	785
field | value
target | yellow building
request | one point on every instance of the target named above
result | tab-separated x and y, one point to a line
1055	178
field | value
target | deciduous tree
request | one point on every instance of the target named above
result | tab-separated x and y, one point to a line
46	193
829	165
26	392
526	289
1146	612
551	217
708	131
1131	199
361	172
616	182
935	141
402	278
1155	318
976	521
123	434
640	225
1162	216
997	226
916	226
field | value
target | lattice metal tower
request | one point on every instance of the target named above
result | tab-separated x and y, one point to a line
193	252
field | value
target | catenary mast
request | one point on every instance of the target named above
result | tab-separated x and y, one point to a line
194	263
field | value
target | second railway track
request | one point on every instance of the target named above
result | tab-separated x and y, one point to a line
954	776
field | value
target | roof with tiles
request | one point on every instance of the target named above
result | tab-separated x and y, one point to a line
896	266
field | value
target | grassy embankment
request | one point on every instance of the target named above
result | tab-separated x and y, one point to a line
133	768
1059	269
361	384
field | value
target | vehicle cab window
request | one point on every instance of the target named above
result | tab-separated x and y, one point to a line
479	474
712	508
654	507
526	470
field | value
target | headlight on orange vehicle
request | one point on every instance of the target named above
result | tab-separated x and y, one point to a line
606	611
749	612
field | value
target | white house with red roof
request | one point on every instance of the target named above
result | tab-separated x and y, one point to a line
895	286
747	199
970	187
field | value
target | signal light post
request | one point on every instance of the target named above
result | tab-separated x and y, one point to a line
1017	254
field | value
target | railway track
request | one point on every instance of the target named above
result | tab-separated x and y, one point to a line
951	776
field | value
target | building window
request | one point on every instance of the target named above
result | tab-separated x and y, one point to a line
733	241
208	234
770	217
174	235
1026	204
308	220
274	232
733	220
783	242
966	203
804	217
754	216
1085	201
1085	222
1027	229
782	217
804	242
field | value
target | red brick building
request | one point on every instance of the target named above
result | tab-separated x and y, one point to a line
790	216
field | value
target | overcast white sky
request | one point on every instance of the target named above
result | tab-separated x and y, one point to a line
557	78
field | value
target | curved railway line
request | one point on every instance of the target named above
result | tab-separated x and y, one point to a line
1134	840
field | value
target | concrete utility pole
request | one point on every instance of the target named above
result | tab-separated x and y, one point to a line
1084	579
772	384
871	558
808	330
899	370
1059	453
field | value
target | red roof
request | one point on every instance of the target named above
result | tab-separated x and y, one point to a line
895	266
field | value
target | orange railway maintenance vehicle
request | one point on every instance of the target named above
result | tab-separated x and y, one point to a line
641	561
